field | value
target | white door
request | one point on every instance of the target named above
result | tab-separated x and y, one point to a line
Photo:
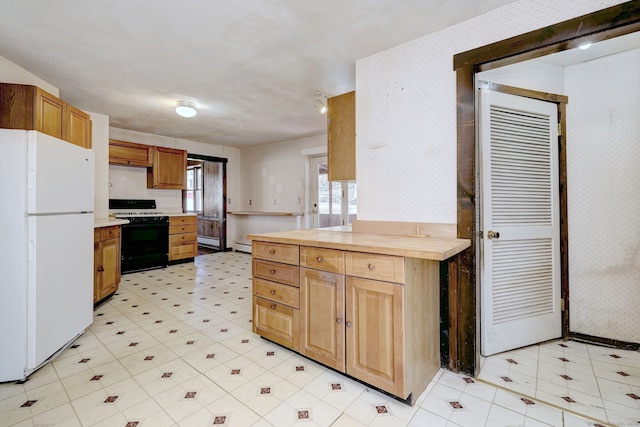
520	252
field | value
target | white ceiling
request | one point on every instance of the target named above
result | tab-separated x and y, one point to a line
252	67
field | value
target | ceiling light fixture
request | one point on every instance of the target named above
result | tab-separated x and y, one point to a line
321	104
186	109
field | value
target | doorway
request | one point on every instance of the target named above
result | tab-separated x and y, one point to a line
206	196
335	203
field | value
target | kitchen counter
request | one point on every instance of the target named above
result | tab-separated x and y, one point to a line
432	248
108	222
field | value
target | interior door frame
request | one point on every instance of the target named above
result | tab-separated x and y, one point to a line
463	286
222	243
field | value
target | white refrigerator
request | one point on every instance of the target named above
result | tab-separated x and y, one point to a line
46	254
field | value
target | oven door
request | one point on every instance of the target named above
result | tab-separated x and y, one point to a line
144	246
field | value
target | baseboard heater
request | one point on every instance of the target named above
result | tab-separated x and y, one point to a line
242	246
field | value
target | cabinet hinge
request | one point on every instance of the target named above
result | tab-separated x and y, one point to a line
559	129
561	304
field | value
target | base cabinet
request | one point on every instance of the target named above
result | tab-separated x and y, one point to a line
106	255
183	237
374	317
276	295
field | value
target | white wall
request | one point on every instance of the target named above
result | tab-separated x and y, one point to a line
13	73
100	145
532	75
406	111
278	171
603	179
131	182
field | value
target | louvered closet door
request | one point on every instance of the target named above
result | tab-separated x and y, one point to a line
520	277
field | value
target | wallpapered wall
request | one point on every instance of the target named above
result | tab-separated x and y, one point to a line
406	150
603	183
406	111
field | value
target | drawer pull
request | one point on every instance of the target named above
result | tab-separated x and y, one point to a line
273	292
348	324
272	251
273	306
319	259
339	320
372	267
272	271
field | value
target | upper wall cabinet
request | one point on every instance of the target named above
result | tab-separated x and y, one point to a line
78	127
169	169
29	107
341	131
130	154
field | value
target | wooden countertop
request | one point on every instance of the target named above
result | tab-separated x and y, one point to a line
434	248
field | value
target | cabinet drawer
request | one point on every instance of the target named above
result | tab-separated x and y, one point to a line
276	322
378	267
182	220
176	239
183	228
282	273
276	292
182	250
280	252
322	259
109	232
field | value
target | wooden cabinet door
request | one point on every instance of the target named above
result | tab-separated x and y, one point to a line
169	169
341	133
49	113
110	266
130	154
106	268
322	317
375	334
276	322
78	127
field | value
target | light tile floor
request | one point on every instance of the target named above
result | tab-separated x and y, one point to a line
174	347
599	382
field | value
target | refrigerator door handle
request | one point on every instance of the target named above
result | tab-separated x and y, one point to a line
31	179
32	250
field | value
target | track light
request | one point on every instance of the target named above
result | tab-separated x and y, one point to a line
186	109
320	106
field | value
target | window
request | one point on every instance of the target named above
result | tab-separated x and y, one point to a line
193	193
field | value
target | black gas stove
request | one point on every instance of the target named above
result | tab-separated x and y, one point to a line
145	240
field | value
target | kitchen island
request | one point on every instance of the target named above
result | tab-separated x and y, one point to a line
366	305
